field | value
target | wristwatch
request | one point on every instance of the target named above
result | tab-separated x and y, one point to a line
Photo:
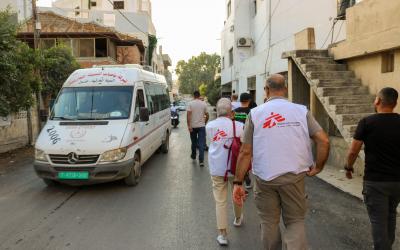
347	168
240	183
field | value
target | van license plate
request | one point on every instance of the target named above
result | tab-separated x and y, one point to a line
73	175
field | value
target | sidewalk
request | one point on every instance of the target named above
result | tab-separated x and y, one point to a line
337	178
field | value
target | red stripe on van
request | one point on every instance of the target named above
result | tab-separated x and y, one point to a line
137	140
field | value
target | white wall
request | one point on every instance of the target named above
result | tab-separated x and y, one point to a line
288	18
130	5
23	8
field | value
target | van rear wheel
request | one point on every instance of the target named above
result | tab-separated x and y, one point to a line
136	171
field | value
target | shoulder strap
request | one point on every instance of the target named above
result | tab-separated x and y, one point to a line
234	129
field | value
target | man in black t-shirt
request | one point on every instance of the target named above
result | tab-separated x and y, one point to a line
244	109
240	115
381	135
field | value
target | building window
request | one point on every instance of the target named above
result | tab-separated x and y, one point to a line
229	9
222	62
118	5
387	62
251	83
101	47
93	3
75	47
231	57
77	12
255	7
47	43
86	48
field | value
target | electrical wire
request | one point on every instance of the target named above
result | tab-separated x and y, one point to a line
93	22
267	24
327	37
340	29
129	21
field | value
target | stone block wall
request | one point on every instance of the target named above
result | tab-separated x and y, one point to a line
338	153
15	131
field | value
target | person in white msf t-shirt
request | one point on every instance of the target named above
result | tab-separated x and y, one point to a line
276	139
220	134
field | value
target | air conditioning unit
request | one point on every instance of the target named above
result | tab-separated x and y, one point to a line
232	28
244	42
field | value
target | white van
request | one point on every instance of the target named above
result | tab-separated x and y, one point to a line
106	122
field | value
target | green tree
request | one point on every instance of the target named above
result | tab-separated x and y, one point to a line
20	67
214	91
203	89
196	71
57	64
18	64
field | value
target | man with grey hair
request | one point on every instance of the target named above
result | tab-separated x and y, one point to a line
277	137
220	133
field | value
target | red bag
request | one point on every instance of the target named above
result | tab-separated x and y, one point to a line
233	154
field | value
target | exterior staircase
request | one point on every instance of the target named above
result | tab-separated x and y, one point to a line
343	96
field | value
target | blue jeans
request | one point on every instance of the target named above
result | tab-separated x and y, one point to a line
381	200
198	138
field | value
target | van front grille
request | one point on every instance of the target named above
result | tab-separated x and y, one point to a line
81	159
88	169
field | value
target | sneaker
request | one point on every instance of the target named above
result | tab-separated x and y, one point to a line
246	192
201	164
248	185
222	240
193	157
238	221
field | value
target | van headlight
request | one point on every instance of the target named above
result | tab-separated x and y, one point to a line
113	155
40	155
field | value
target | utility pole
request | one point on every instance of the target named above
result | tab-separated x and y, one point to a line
36	34
36	25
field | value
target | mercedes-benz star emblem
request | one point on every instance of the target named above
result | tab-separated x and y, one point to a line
73	158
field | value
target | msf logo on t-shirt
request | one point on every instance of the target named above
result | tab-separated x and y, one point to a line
273	120
219	135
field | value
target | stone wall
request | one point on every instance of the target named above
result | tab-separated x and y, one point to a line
338	155
15	131
368	69
90	62
373	29
128	55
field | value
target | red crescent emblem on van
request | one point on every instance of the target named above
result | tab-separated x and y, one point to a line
273	120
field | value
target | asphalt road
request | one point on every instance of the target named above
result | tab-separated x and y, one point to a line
171	208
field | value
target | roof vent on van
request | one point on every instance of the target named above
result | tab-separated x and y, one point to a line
148	68
135	66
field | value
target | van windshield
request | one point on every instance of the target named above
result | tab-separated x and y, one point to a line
93	103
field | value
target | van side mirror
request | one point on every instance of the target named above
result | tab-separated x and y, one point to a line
43	114
51	104
144	114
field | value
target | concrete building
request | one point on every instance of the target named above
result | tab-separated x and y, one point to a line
133	18
257	32
22	8
165	61
339	84
90	43
372	45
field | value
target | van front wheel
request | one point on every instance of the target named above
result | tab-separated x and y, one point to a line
136	171
165	145
50	183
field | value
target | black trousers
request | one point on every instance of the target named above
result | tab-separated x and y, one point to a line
381	200
198	138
